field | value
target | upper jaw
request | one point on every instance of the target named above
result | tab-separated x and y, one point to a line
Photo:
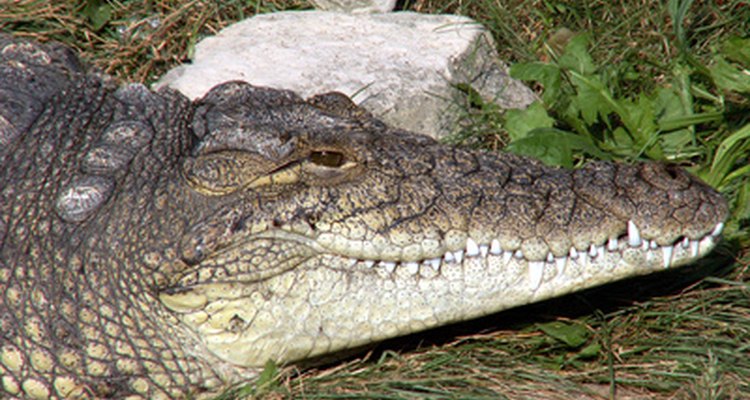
671	254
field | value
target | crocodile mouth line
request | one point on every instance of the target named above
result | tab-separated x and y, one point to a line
677	253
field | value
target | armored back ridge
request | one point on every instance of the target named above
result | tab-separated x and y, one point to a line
155	248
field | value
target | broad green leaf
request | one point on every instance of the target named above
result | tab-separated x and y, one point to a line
554	147
593	99
589	351
546	146
572	116
98	13
573	335
679	144
622	142
729	76
576	56
668	105
548	75
519	123
674	104
638	118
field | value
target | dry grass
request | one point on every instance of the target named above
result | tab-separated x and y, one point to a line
141	40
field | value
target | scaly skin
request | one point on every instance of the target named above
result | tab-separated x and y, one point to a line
154	248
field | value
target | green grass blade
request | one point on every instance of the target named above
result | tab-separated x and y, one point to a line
727	154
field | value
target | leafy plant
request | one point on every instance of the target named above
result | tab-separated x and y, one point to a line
97	12
580	115
688	119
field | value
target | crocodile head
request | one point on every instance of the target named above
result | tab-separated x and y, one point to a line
154	248
329	230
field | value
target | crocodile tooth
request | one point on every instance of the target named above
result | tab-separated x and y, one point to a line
507	255
717	230
694	248
449	257
459	256
389	266
612	244
653	245
573	253
495	247
368	263
560	263
550	258
412	267
518	254
484	250
472	249
667	255
536	270
634	236
685	243
434	263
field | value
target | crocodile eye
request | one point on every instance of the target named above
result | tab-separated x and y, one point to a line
325	158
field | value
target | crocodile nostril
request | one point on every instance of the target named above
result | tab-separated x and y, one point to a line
672	170
665	176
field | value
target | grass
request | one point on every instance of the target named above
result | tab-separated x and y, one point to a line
677	335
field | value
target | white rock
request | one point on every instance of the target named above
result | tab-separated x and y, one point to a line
355	6
402	66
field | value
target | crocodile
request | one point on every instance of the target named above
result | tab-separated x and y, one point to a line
154	247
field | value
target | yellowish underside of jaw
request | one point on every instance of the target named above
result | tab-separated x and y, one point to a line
331	303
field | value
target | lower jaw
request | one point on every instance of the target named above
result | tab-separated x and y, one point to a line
330	304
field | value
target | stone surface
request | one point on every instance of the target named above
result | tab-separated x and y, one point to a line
355	6
400	66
